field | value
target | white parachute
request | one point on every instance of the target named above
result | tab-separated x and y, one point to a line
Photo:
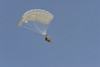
36	20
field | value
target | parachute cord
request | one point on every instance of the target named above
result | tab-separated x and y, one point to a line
46	27
31	24
38	28
30	27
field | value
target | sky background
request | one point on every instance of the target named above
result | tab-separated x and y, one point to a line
75	31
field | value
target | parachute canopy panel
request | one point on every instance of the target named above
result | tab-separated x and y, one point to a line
37	15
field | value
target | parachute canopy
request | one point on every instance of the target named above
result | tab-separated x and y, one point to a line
36	15
36	20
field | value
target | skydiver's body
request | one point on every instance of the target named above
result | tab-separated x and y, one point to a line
47	38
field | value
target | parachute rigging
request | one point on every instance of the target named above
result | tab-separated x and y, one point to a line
36	20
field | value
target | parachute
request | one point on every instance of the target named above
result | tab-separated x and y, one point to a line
36	20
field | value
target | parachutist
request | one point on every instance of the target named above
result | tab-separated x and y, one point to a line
47	39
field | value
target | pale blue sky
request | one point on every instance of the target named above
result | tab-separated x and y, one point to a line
75	31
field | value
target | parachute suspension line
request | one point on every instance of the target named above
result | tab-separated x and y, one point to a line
30	27
34	28
46	28
37	27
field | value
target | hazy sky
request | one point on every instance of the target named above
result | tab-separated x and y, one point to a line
75	31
